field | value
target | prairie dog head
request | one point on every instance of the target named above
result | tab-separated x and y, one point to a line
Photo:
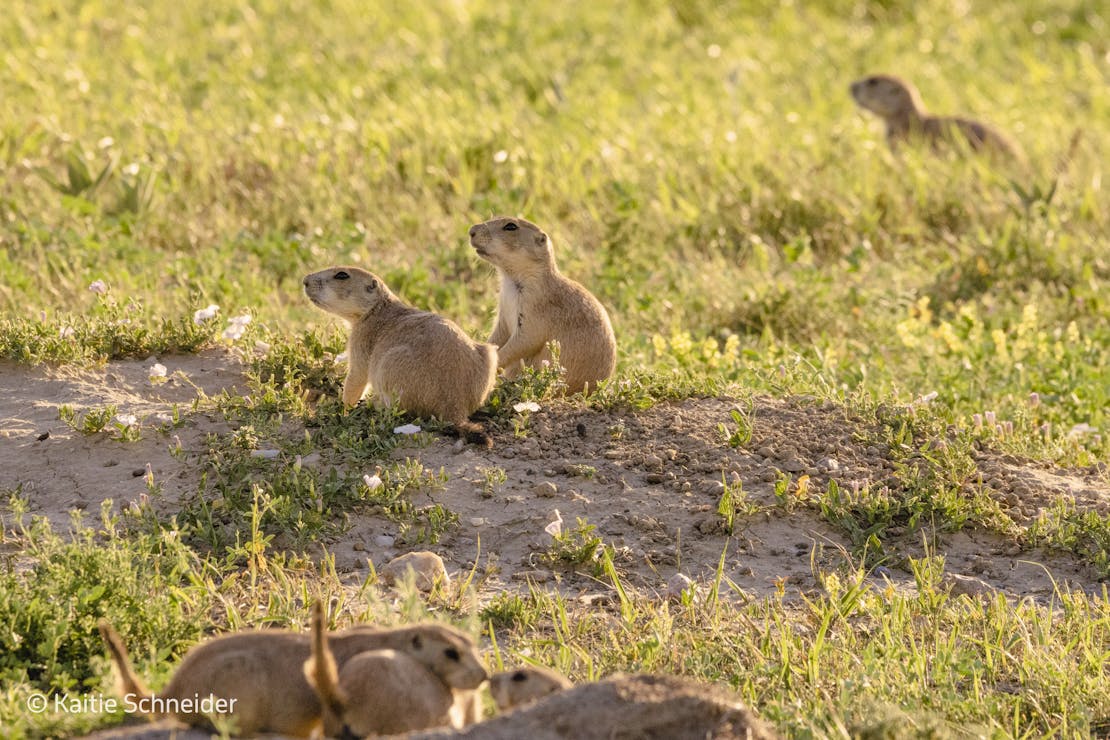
512	244
349	292
445	651
524	685
887	96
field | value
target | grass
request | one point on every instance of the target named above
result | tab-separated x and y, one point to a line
701	168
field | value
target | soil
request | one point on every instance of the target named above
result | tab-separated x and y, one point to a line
649	482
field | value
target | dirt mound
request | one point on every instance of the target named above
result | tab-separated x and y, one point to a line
640	706
648	484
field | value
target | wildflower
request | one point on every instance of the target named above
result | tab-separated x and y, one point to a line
204	314
99	287
131	169
1081	429
66	332
261	347
501	157
341	357
1034	399
265	454
713	51
163	418
406	429
373	482
526	406
555	528
157	371
125	420
927	398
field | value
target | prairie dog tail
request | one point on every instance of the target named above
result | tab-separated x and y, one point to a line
320	670
129	683
475	434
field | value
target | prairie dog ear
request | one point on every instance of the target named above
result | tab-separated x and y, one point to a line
541	239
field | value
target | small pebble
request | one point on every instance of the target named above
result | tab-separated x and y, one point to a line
546	489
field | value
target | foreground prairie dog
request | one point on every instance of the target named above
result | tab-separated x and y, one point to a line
511	689
897	102
380	692
259	674
538	304
415	358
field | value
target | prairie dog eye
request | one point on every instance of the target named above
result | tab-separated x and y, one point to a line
872	81
452	654
519	676
341	276
510	227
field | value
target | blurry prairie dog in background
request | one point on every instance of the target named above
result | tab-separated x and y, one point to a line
898	103
538	304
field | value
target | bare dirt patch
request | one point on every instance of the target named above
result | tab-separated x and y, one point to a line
58	470
649	482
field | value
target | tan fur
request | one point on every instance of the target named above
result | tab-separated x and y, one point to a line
378	692
539	305
898	103
421	361
263	671
511	689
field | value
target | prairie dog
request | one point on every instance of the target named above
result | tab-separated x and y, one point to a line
262	672
898	103
538	304
511	689
421	360
378	692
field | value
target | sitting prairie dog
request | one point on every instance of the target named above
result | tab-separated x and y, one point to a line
260	673
538	304
897	102
511	689
379	692
421	360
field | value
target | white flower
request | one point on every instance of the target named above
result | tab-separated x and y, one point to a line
66	332
233	333
157	370
163	418
341	357
713	51
240	321
373	482
265	454
125	420
204	314
526	406
1080	429
99	287
501	156
261	347
555	528
106	142
131	169
406	429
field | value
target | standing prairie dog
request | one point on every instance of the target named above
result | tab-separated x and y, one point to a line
538	305
512	689
898	103
260	674
379	692
418	359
